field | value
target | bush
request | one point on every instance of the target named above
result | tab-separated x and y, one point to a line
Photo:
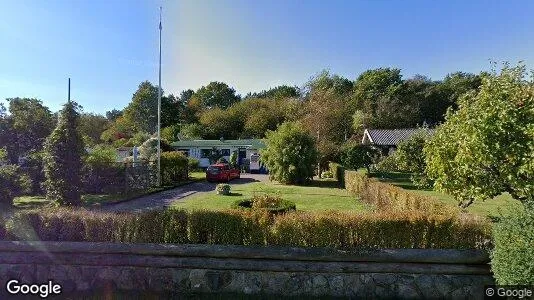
193	163
327	174
233	159
513	255
410	157
388	164
290	154
389	197
223	189
272	204
101	172
359	156
253	227
99	178
173	167
12	183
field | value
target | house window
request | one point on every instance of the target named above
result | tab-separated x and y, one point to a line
205	153
225	152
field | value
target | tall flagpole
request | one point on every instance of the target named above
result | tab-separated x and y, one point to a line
159	104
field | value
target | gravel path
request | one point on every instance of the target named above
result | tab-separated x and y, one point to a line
165	199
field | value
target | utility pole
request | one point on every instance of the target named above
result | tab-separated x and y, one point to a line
69	91
159	104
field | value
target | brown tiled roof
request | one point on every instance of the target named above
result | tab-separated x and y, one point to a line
392	137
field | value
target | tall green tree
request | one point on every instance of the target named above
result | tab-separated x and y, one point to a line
31	122
486	147
91	127
279	92
215	94
142	112
376	95
326	113
113	114
63	151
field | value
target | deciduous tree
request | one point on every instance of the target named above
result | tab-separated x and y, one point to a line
486	147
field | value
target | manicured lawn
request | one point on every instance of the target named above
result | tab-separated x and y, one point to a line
322	195
501	205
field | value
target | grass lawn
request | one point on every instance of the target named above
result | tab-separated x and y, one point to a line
501	205
321	195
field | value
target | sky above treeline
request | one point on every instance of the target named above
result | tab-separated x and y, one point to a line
108	47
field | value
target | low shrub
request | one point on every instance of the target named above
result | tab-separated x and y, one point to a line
253	227
389	197
223	189
512	257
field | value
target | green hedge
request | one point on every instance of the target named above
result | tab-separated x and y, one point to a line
513	256
248	227
338	171
385	196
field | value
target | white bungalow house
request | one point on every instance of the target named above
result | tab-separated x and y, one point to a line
201	149
387	140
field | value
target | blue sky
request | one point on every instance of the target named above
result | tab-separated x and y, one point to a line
109	47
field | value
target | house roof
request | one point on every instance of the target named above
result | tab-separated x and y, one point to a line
246	143
390	137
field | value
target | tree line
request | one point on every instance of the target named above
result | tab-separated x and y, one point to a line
332	108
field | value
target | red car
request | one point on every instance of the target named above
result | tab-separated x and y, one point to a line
221	173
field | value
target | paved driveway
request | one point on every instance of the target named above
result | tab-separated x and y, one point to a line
165	199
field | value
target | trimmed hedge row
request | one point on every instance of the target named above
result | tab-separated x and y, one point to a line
240	227
389	197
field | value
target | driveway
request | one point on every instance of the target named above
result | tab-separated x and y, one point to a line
165	199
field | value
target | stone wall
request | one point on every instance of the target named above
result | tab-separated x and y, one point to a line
185	269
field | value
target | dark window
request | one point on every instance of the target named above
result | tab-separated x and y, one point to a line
225	152
205	153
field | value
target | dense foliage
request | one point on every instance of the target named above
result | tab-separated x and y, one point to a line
13	183
513	255
359	156
486	147
290	154
174	167
249	227
410	158
63	151
102	173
